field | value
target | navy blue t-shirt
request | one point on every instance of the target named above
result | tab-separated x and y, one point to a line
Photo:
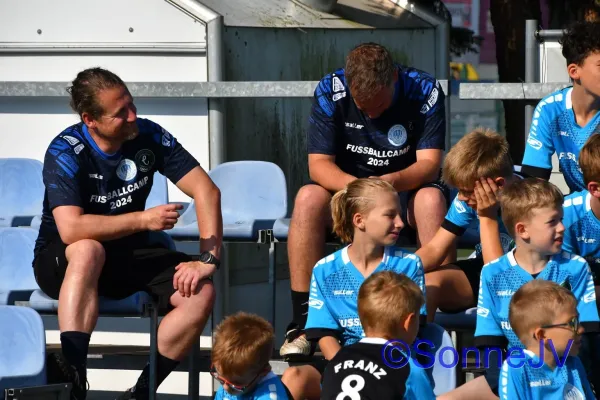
77	173
365	147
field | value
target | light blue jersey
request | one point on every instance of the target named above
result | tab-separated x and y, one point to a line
554	130
461	217
333	302
582	230
501	278
269	388
528	383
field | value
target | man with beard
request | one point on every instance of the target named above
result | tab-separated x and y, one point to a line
95	236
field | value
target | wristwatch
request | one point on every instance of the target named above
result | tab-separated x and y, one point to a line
206	257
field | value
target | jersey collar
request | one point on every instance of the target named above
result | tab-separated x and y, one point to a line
373	340
384	260
92	143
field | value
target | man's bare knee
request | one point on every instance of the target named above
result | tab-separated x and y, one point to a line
312	203
86	256
200	304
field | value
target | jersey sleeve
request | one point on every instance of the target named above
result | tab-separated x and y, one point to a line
322	128
434	130
539	148
220	394
570	242
416	273
512	385
585	293
320	321
585	383
458	218
487	329
61	175
176	160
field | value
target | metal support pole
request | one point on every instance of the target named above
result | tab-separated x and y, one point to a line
531	65
443	70
216	107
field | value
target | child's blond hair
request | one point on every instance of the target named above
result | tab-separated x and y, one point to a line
358	197
519	199
589	159
481	153
243	343
538	303
385	300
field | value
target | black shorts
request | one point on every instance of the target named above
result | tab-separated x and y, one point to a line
471	267
125	272
408	232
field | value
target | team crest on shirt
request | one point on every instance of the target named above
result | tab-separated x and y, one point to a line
126	170
144	160
397	135
570	392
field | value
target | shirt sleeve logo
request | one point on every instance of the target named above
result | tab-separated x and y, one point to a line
126	170
397	135
144	160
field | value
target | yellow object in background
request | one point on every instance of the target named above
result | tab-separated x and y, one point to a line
464	71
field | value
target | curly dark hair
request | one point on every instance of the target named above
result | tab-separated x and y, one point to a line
580	40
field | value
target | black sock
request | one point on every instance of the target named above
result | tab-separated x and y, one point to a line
75	346
164	366
300	308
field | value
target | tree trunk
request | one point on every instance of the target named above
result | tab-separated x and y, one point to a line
508	18
563	12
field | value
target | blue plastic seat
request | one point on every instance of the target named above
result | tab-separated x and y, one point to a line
159	194
442	374
253	196
22	348
21	191
17	280
461	321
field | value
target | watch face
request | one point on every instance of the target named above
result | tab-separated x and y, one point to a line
204	257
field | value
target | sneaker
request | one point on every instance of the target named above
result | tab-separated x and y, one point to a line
58	370
130	394
296	346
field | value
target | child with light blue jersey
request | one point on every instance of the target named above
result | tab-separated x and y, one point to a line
544	316
565	119
366	215
582	211
240	360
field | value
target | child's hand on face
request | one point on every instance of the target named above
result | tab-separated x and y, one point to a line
486	194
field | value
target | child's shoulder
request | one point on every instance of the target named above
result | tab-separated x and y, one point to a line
331	262
399	256
575	207
569	260
498	265
270	388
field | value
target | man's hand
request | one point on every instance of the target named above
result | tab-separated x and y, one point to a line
486	195
188	274
161	217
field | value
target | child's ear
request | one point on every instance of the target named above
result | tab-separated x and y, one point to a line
521	230
500	182
539	334
594	188
409	321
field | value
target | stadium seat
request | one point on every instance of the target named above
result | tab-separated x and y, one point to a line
22	349
159	194
21	191
139	304
253	196
17	280
443	373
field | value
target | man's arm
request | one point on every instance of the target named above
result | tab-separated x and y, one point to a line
207	200
325	172
426	169
73	225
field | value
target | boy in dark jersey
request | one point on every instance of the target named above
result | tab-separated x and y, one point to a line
544	316
372	118
388	307
95	239
565	119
